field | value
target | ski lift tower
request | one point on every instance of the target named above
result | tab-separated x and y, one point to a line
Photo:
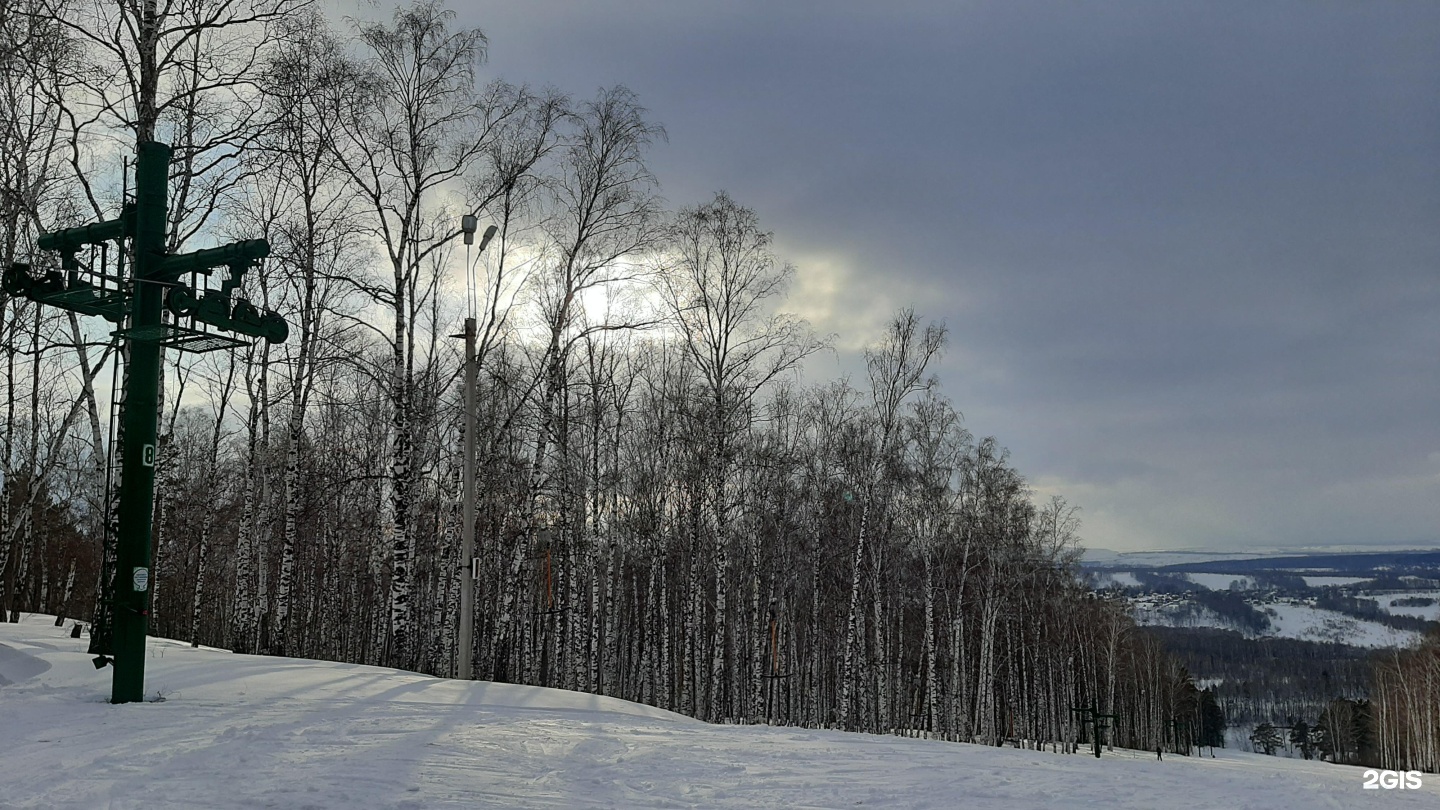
1098	722
137	304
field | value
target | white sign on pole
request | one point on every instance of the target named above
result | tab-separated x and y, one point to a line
140	579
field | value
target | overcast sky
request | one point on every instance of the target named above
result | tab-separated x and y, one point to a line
1188	253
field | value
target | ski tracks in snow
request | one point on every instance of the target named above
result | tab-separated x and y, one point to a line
240	731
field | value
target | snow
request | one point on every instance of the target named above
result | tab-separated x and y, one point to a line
236	731
1291	620
1324	582
1431	612
1165	610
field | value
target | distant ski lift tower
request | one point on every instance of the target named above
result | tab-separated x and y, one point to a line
154	285
465	653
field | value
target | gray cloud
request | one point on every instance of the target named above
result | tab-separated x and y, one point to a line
1187	252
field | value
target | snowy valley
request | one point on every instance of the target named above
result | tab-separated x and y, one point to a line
1374	600
1277	638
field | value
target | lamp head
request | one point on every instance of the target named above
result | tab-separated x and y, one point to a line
485	239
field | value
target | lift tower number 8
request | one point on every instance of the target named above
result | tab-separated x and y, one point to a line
136	304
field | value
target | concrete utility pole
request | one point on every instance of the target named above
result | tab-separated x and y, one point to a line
465	642
467	511
143	300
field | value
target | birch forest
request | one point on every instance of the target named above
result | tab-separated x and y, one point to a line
668	509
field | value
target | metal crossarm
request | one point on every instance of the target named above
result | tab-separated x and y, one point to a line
70	240
203	261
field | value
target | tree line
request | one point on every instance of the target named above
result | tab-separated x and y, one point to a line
1406	706
666	512
1378	708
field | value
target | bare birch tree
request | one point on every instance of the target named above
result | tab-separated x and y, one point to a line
720	284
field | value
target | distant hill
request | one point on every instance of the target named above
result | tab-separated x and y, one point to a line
1218	562
1371	599
1393	562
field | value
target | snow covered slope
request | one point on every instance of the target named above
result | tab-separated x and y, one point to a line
237	731
1431	612
1292	620
1289	618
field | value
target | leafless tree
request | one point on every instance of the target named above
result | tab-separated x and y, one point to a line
721	281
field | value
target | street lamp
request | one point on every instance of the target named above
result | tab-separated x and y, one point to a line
468	571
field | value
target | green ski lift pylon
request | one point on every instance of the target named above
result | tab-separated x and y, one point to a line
70	240
137	465
1099	724
154	273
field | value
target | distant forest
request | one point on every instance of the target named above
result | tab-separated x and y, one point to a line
1349	704
1274	680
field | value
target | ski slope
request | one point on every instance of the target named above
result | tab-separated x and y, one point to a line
236	731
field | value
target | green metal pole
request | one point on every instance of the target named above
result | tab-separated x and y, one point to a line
137	481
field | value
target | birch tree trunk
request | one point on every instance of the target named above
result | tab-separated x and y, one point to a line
850	674
211	495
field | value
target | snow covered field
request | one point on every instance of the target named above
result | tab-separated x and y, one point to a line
238	731
1324	582
1431	612
1291	620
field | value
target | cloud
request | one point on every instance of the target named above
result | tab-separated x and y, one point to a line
1186	252
840	296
